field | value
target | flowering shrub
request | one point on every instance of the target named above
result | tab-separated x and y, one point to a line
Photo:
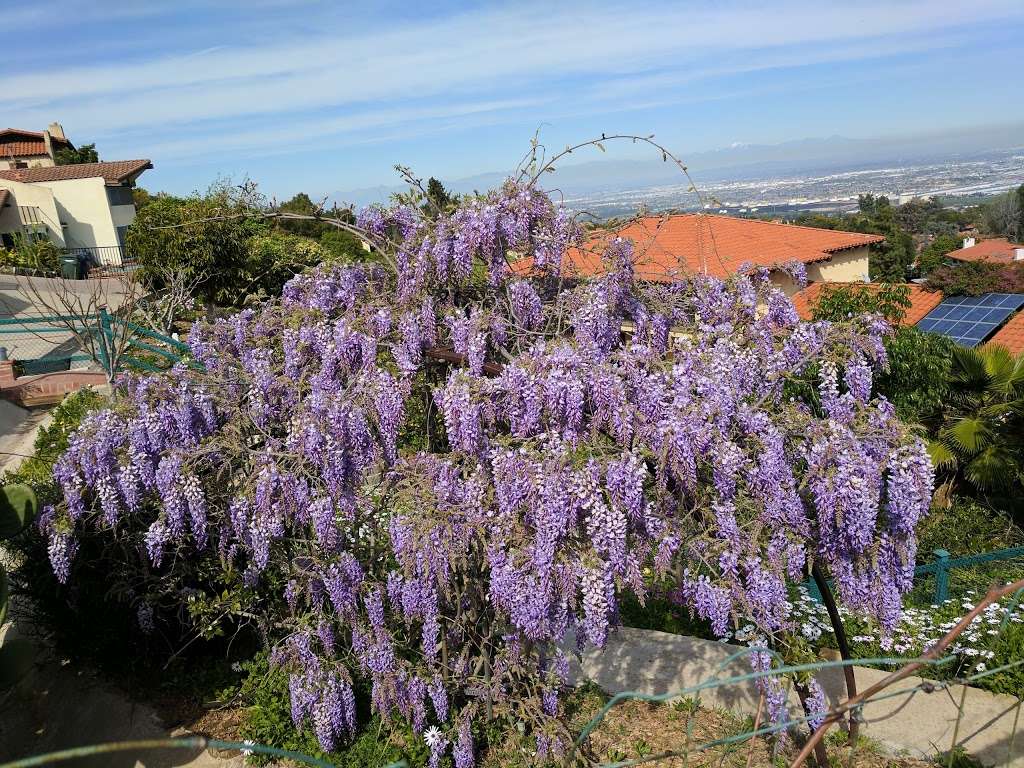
993	638
455	574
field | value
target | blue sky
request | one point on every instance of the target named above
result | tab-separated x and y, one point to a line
321	97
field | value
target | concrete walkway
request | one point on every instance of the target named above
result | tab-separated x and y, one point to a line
919	724
58	706
18	428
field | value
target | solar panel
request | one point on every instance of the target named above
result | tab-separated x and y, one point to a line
969	320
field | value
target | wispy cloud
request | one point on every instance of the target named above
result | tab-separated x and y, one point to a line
283	71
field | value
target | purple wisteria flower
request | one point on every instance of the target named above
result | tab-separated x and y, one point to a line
444	474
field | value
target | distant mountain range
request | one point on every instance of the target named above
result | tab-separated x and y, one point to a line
811	156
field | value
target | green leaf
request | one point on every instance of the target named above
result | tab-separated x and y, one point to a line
17	508
967	435
941	456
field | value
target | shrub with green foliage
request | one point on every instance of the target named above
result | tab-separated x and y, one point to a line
18	507
203	237
841	301
916	381
38	255
919	363
275	258
934	254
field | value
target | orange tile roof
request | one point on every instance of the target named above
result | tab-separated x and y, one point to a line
1011	335
671	246
112	173
922	300
998	250
22	148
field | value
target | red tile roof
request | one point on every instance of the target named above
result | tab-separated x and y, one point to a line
112	173
22	148
1011	335
998	250
922	300
670	246
15	141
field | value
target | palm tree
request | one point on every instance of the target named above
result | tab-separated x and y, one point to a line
980	436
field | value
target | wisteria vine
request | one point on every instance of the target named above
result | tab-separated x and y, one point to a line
592	438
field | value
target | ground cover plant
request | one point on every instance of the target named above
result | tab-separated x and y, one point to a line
427	477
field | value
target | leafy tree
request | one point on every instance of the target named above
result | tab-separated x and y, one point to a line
302	203
343	247
1020	212
914	215
204	237
916	380
1004	215
439	200
840	302
891	259
981	433
141	198
275	258
935	252
83	154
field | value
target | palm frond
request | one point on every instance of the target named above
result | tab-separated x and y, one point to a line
967	435
992	468
941	456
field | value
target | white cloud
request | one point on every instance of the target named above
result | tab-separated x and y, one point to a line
343	79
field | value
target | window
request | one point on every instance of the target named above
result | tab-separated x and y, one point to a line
29	214
120	195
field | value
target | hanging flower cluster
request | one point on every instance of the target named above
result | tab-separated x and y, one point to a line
589	432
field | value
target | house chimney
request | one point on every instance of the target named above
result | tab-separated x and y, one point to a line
1018	254
57	131
968	242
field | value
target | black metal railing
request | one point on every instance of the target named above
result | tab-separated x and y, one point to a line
102	255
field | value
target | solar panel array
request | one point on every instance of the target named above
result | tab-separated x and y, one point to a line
969	320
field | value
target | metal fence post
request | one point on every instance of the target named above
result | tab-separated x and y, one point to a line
941	576
106	342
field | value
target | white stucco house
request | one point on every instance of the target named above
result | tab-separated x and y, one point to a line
88	206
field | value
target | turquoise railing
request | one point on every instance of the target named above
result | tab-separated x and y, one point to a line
137	337
941	566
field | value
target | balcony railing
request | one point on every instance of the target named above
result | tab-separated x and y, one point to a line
102	255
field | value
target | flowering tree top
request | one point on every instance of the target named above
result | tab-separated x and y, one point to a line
441	476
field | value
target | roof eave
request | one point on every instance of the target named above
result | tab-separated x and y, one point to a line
129	177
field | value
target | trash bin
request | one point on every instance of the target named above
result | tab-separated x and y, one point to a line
85	263
70	267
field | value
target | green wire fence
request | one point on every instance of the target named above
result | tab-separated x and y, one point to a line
941	571
50	343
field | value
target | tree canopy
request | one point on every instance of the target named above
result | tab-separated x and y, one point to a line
72	156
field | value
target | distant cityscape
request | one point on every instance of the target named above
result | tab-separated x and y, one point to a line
958	182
